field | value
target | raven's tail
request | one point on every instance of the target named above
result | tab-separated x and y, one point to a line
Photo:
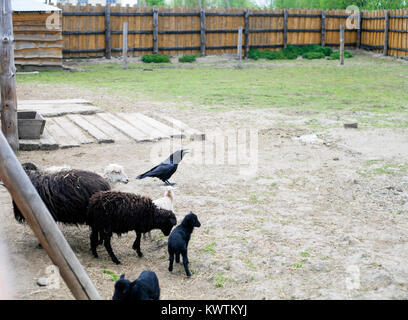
142	176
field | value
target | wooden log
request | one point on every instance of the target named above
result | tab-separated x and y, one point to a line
108	47
386	29
202	32
125	44
246	40
155	30
43	225
323	29
285	28
239	48
8	105
342	44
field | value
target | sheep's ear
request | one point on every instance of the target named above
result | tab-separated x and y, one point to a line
122	277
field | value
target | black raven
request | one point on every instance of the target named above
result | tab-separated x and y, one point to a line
165	170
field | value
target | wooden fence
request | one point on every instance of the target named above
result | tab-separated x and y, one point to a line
91	31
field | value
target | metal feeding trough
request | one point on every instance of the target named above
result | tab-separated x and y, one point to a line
30	124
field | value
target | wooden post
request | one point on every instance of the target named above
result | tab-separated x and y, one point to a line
8	105
359	29
108	49
285	28
323	32
43	225
342	44
155	30
239	48
125	44
202	32
387	19
246	41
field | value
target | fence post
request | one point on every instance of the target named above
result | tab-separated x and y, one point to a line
359	30
202	31
239	47
285	28
342	44
108	49
155	30
246	41
125	44
387	19
323	32
8	105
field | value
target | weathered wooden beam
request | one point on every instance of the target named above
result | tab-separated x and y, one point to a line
43	225
358	40
108	48
125	45
386	29
239	48
246	30
155	30
323	29
342	44
202	31
285	28
8	105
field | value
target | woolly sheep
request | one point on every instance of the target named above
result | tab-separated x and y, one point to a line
145	287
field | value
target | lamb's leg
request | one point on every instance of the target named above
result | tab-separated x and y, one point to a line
107	237
100	238
177	257
94	242
171	259
185	263
136	244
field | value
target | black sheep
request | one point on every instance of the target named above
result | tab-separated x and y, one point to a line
179	238
120	212
145	287
65	193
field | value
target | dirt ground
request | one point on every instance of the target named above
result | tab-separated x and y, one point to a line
323	217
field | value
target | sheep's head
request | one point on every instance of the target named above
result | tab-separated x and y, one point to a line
169	220
191	220
122	288
114	174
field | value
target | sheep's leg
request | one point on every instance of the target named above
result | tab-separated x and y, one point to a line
136	244
100	238
171	259
94	242
107	237
185	263
178	257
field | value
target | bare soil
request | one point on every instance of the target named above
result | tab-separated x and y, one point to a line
322	218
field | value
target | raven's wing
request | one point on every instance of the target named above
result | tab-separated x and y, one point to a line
157	171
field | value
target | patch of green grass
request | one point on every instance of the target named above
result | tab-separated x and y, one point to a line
254	199
313	55
113	275
305	254
381	168
189	57
209	248
220	279
336	55
362	84
250	265
298	265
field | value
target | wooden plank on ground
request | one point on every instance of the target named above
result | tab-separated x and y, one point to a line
81	121
193	134
60	135
56	110
165	129
125	127
150	131
73	130
107	128
46	142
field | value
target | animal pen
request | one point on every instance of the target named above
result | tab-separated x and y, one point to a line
95	31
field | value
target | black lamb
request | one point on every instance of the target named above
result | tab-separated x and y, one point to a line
179	238
65	193
120	212
145	287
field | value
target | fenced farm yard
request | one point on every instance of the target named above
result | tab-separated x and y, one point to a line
325	215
